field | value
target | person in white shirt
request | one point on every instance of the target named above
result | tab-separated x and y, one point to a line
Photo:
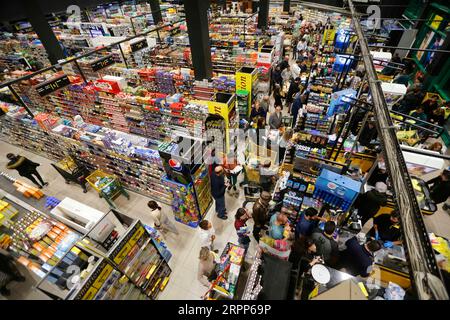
207	234
286	74
295	70
160	220
206	268
302	45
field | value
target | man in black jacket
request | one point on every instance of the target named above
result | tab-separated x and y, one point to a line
218	192
370	202
26	168
440	187
358	259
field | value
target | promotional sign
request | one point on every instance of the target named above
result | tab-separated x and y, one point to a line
340	101
139	45
342	63
342	39
102	63
328	35
52	85
106	86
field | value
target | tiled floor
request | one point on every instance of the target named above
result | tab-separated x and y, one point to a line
184	246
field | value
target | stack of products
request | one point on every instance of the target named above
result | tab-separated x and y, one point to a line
230	268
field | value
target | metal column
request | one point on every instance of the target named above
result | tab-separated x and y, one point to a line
45	33
156	11
286	6
423	267
198	30
263	14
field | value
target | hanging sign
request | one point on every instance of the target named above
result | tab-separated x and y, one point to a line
102	63
139	45
52	85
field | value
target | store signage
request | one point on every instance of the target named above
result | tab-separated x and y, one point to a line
52	85
139	45
175	165
328	35
102	63
106	86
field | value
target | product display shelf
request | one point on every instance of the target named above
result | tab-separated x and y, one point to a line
136	255
228	270
35	239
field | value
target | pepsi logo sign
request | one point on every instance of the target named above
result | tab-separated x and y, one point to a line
175	165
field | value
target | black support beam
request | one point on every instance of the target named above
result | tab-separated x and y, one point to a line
263	15
45	33
287	5
156	11
198	30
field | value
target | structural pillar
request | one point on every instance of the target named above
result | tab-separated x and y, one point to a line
263	14
198	30
287	5
45	33
156	11
255	5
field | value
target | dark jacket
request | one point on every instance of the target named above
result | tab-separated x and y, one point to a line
23	165
369	203
356	259
386	229
440	191
258	113
305	227
293	89
367	135
283	65
260	210
296	106
217	185
276	76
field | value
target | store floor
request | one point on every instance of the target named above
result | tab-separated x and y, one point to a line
185	246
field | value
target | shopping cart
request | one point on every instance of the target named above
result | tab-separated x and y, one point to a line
72	171
108	186
252	193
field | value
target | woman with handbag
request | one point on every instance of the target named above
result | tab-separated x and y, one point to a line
26	168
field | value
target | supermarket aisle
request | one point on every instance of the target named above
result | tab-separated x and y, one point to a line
184	247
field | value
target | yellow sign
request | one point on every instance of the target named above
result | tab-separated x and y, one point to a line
328	35
243	81
436	22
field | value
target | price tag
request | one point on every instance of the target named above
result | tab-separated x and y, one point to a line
139	45
52	85
102	63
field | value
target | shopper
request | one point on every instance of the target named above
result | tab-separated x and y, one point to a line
370	202
295	108
286	75
277	96
402	78
26	168
264	104
206	268
267	175
160	219
368	134
277	223
275	119
207	234
284	64
327	247
276	76
307	222
256	112
8	272
218	192
302	45
440	187
295	69
303	255
212	161
260	214
240	224
358	259
283	143
420	115
437	117
436	146
230	165
409	101
294	87
430	105
386	227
